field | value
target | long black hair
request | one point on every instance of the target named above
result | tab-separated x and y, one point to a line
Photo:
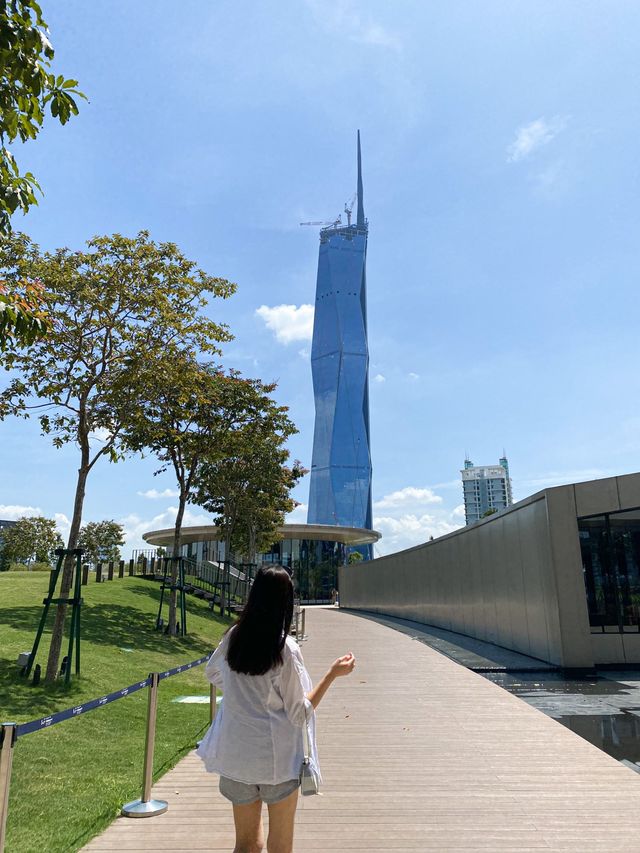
259	635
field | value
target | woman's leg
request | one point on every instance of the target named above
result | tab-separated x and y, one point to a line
281	818
249	831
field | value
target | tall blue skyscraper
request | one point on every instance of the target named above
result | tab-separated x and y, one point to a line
340	487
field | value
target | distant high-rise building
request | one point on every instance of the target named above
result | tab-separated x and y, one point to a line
340	486
485	487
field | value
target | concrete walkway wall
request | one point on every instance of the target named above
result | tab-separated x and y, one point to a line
514	578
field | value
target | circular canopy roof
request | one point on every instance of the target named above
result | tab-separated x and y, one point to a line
321	532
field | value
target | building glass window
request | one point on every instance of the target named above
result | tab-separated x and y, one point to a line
610	548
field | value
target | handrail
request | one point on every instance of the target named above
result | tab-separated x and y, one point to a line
145	806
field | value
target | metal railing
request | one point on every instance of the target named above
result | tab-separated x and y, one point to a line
143	807
299	623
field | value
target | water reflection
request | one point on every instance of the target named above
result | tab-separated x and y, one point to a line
605	709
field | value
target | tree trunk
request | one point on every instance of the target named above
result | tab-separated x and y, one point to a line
67	572
253	535
174	563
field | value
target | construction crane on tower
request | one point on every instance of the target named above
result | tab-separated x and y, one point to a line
336	223
348	207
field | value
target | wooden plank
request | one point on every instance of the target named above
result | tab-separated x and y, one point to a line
417	753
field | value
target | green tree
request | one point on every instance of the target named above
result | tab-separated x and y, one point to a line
249	493
491	511
112	308
193	411
28	89
354	557
101	541
22	319
31	539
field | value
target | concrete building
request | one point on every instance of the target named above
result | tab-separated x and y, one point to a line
340	483
313	552
555	576
485	488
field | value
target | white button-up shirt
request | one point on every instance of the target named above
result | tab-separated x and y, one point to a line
256	736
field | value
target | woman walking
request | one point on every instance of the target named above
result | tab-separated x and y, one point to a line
256	742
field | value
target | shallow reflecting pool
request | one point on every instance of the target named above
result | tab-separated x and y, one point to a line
605	709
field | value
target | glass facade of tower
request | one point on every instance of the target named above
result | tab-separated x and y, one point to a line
340	488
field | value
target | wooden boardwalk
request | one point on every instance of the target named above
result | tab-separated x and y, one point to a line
417	753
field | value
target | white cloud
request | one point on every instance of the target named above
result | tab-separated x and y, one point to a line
404	521
288	322
63	524
534	135
298	515
134	526
410	529
12	512
458	512
101	434
413	376
343	18
379	378
408	495
154	493
304	353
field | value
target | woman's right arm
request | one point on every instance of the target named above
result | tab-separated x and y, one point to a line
294	680
341	666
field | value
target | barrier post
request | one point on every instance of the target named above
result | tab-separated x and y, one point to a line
145	806
304	623
7	742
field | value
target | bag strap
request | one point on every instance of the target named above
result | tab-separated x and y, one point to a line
305	736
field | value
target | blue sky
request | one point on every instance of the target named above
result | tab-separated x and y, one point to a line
501	174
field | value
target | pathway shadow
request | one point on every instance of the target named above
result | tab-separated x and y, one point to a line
477	655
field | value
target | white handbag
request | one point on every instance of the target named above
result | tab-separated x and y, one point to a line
309	784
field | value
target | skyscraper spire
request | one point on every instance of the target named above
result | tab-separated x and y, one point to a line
360	218
340	482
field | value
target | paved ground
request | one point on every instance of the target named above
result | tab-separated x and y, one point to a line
418	753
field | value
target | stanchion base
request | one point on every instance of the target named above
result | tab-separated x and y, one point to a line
136	808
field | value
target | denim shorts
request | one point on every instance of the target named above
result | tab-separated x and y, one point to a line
241	793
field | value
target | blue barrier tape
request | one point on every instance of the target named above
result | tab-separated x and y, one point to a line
52	719
46	722
177	669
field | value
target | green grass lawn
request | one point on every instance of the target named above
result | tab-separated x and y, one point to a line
69	781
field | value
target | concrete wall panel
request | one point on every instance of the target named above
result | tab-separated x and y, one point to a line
607	648
515	578
501	599
631	647
572	614
629	490
597	496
